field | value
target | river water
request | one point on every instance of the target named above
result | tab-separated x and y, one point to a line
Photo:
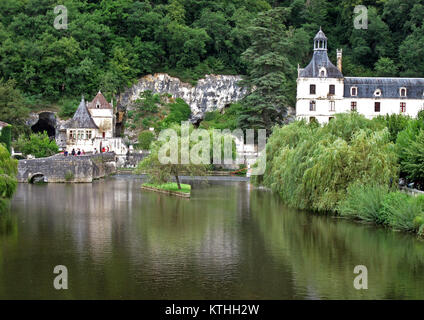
229	241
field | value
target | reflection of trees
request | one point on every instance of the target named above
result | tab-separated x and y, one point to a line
323	253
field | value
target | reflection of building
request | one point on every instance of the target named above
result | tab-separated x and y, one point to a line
323	91
92	127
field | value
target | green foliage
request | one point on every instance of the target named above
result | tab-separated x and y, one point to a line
145	139
364	202
38	144
311	167
68	108
12	107
6	137
178	111
170	186
160	173
226	119
413	159
69	176
8	172
271	69
395	123
400	211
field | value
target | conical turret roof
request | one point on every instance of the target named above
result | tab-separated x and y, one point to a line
82	118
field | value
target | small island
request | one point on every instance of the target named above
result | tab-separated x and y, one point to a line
170	188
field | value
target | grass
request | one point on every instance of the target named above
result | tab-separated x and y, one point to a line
170	186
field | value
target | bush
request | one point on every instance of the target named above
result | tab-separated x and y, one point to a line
145	139
364	203
38	144
69	176
401	211
8	172
311	167
6	137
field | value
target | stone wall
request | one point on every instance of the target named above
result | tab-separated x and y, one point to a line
67	169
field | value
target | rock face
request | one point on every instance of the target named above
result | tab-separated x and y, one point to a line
214	92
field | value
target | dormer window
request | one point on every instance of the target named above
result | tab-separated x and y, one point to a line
353	91
97	105
322	72
377	93
402	92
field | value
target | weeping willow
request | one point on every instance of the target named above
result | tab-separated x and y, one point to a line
311	167
8	172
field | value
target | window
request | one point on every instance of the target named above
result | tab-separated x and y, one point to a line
71	134
88	134
80	134
353	106
332	106
402	92
312	89
322	72
332	89
312	105
403	107
312	120
354	91
97	105
377	107
377	93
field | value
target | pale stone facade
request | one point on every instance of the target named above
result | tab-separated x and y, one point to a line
323	91
92	128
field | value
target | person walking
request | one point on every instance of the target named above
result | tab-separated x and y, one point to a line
73	152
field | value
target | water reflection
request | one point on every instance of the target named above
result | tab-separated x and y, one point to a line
228	241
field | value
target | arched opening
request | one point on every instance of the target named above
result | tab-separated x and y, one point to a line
46	122
37	178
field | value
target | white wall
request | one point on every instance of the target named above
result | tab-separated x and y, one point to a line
365	106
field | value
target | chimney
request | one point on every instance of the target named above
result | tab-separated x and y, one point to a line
339	59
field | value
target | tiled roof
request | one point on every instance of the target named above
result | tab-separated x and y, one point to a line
320	59
99	102
390	87
82	118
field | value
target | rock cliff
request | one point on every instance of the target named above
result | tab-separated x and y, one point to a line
214	92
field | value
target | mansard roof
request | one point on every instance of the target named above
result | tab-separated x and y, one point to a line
390	87
82	118
99	102
320	59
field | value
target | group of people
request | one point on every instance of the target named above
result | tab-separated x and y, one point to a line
73	152
78	152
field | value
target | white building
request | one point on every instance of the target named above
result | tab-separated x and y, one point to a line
323	91
92	128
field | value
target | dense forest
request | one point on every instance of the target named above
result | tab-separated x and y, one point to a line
109	44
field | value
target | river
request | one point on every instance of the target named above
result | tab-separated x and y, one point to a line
229	241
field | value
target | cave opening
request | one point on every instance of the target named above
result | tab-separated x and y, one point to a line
46	122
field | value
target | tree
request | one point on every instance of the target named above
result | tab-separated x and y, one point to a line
271	72
385	67
6	137
159	172
12	107
413	162
8	172
145	139
39	145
